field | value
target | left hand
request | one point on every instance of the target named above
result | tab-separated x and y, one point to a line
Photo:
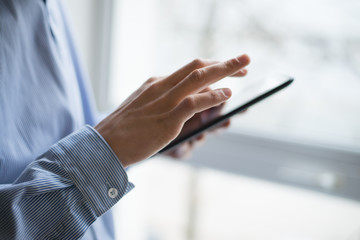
184	149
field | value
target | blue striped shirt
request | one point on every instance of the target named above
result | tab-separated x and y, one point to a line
58	176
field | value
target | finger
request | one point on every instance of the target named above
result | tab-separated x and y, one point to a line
201	78
243	111
200	137
133	98
183	72
200	102
180	74
226	124
181	151
215	111
240	73
220	127
198	142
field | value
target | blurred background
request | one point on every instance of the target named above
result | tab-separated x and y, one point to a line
288	169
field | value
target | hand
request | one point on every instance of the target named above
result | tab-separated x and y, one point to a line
184	149
155	114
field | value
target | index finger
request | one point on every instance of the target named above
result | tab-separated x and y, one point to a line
183	72
203	77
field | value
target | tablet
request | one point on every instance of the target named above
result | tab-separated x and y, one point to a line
245	93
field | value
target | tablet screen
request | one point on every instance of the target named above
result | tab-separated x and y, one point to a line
245	93
244	90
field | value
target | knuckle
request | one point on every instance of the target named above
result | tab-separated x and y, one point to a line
151	80
152	87
215	96
197	75
198	63
189	103
230	64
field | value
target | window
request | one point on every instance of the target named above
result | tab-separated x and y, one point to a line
307	136
317	42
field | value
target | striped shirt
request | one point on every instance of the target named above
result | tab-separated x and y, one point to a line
58	176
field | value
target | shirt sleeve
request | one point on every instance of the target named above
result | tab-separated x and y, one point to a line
60	194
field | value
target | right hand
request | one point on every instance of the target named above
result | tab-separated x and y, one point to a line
155	114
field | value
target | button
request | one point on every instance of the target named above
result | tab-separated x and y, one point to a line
113	192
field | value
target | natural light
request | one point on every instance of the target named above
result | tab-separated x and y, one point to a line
288	169
317	42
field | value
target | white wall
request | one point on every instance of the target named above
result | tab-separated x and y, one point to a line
81	17
90	20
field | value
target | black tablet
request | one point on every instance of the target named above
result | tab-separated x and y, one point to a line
245	93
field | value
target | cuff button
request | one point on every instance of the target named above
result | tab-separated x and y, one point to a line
113	192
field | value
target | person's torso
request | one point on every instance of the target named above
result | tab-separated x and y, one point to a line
43	95
40	101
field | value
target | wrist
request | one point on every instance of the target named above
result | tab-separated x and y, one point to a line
108	136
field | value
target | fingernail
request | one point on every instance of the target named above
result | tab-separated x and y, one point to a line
226	92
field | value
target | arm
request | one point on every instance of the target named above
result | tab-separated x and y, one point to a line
79	178
60	194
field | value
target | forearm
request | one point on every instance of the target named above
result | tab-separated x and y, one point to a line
64	191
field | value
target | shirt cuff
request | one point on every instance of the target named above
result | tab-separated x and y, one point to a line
93	167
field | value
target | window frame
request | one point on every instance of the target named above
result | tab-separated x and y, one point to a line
318	168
